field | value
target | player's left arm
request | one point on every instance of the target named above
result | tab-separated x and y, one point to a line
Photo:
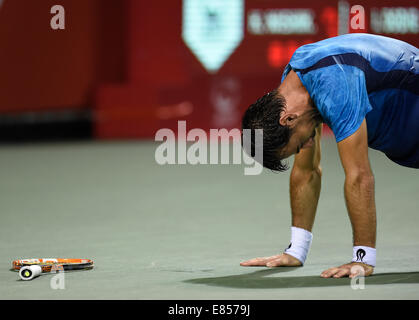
359	196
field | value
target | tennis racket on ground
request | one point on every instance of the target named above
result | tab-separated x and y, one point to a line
31	268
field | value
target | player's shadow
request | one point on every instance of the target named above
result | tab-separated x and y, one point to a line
264	279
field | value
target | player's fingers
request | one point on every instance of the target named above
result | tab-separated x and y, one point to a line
342	273
284	260
258	261
329	272
275	263
253	262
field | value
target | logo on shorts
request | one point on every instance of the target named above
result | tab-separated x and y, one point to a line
360	254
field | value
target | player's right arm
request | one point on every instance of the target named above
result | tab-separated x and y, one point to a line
305	185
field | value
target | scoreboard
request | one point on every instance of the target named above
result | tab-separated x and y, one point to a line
267	32
205	61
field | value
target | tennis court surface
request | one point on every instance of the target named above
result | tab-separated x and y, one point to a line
180	231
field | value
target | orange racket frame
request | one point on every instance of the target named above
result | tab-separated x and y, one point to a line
49	264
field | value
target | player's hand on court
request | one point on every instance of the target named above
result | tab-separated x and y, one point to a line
280	260
348	270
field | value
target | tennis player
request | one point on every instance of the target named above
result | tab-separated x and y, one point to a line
366	89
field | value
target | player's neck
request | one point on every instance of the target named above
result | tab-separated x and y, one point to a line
296	96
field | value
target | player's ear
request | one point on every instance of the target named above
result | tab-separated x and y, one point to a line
288	119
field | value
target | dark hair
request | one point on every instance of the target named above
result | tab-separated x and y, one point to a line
264	114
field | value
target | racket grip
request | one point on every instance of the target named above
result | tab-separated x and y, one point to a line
30	272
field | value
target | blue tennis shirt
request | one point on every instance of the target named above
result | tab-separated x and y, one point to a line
362	76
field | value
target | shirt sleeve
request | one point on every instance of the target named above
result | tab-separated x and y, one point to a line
339	92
